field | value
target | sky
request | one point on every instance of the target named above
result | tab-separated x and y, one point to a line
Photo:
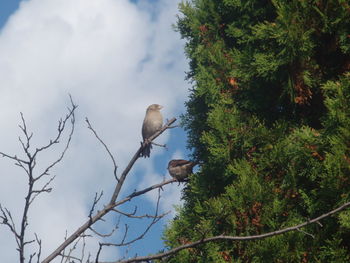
114	57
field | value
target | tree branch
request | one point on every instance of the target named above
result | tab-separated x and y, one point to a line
99	215
135	157
115	167
29	167
234	238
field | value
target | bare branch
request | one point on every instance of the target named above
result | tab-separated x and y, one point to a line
234	238
15	158
32	193
125	234
83	249
70	116
104	235
98	252
306	233
42	190
113	202
174	126
7	220
60	128
132	215
115	167
135	157
28	137
101	245
29	242
99	215
39	244
69	256
31	256
28	166
159	145
96	200
126	214
156	218
24	167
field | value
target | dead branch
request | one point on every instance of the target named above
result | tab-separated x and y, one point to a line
68	257
45	188
29	167
99	215
96	200
7	220
233	238
155	219
29	163
115	167
39	244
61	127
15	158
132	215
159	145
118	187
135	157
104	235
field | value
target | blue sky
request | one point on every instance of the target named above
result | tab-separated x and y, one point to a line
115	57
7	8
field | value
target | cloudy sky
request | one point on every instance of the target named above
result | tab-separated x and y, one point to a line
115	57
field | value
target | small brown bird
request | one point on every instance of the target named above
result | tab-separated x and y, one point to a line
180	169
152	123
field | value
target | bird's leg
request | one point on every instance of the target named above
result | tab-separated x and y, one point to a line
145	142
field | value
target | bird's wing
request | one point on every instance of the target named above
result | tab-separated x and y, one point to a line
180	162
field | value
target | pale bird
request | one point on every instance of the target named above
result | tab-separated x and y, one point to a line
152	123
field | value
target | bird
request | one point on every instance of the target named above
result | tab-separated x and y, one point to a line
152	123
180	169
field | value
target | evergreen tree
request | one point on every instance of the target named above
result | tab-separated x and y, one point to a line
269	118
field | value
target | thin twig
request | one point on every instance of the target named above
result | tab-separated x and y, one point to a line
115	167
61	127
96	200
104	235
39	244
132	215
70	116
15	158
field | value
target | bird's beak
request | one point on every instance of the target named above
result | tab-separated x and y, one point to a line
160	107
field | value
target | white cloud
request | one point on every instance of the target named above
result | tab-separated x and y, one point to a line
115	58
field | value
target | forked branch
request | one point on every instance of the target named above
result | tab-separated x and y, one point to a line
113	203
28	164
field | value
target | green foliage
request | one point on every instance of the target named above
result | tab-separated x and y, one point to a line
269	118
